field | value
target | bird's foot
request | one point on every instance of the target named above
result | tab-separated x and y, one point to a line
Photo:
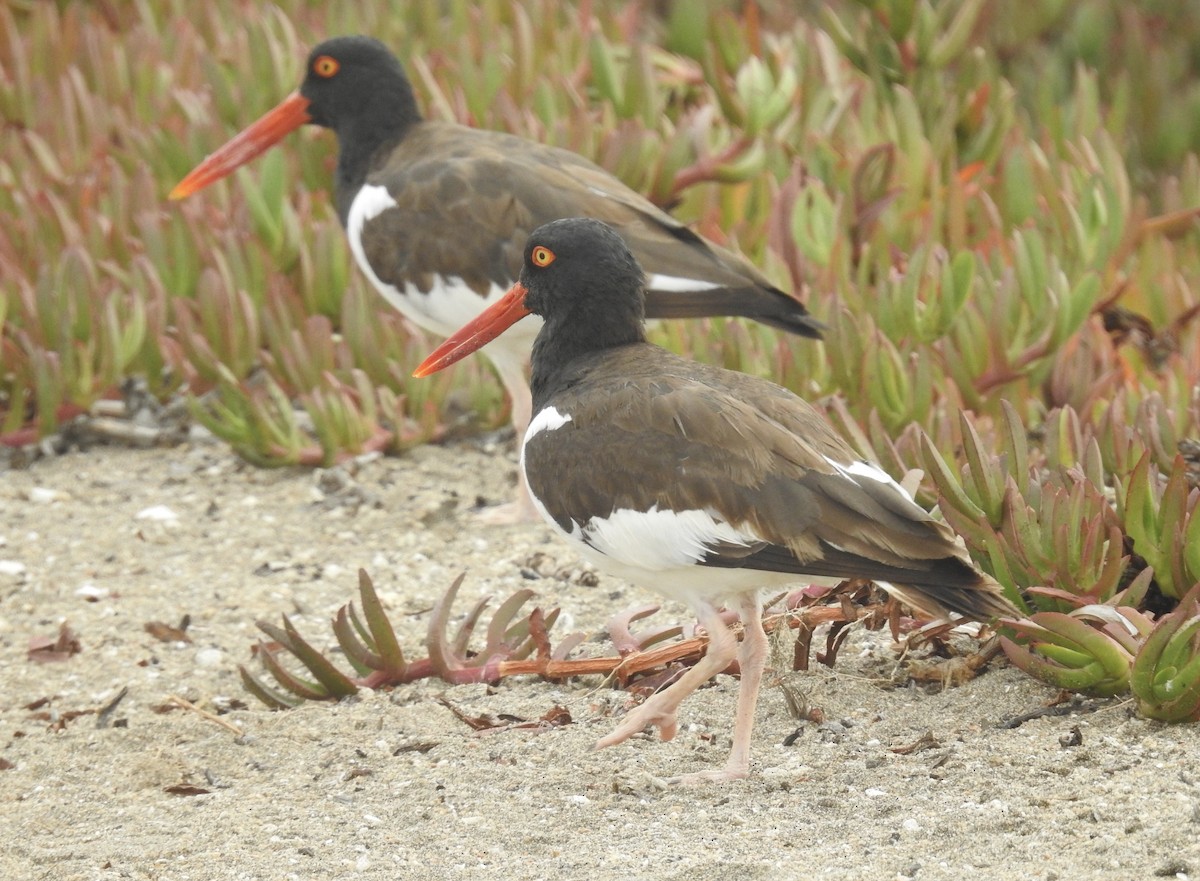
638	719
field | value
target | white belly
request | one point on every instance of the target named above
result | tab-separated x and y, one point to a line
449	303
658	549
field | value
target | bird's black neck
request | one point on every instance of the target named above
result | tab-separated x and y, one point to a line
561	354
365	139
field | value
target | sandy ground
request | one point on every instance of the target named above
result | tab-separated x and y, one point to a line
391	785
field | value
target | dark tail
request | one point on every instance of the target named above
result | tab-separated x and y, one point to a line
771	307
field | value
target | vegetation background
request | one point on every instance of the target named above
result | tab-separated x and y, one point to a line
992	203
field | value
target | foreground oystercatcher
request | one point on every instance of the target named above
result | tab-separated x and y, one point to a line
701	483
437	213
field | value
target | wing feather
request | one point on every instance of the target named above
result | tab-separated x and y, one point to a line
494	189
659	431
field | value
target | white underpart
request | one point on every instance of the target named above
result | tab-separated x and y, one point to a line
449	303
658	549
660	539
662	550
658	282
869	471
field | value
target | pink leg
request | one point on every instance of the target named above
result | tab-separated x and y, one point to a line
659	709
521	510
752	659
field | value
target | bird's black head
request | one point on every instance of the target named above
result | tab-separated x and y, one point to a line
579	272
352	81
580	276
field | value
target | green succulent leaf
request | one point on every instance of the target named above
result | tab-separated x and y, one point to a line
1068	652
1165	678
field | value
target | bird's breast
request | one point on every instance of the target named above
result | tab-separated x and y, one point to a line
438	303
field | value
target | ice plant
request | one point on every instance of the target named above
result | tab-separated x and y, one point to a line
1165	678
1064	651
1111	648
519	645
1002	242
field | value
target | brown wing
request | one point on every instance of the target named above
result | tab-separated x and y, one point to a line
659	430
491	190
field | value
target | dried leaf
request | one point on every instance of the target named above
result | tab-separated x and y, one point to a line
924	742
475	723
186	789
44	649
164	632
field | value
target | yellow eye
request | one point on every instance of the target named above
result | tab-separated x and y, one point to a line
542	256
325	66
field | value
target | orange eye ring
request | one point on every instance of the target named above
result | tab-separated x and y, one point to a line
541	256
325	66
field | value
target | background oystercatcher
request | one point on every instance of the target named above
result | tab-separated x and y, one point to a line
701	483
437	213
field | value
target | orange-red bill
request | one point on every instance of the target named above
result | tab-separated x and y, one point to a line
477	332
287	116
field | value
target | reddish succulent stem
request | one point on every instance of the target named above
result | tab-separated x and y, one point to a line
705	168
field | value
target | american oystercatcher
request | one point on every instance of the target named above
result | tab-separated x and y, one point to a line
437	213
703	484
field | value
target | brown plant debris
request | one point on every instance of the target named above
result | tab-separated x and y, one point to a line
924	742
956	670
556	717
164	632
57	721
1057	708
44	649
182	703
105	714
186	789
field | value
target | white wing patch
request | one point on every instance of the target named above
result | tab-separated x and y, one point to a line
371	201
547	419
865	469
657	282
655	540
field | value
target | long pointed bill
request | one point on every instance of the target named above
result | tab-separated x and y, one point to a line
478	332
287	116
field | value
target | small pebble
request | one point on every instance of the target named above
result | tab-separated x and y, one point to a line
159	513
11	567
42	495
91	592
209	657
